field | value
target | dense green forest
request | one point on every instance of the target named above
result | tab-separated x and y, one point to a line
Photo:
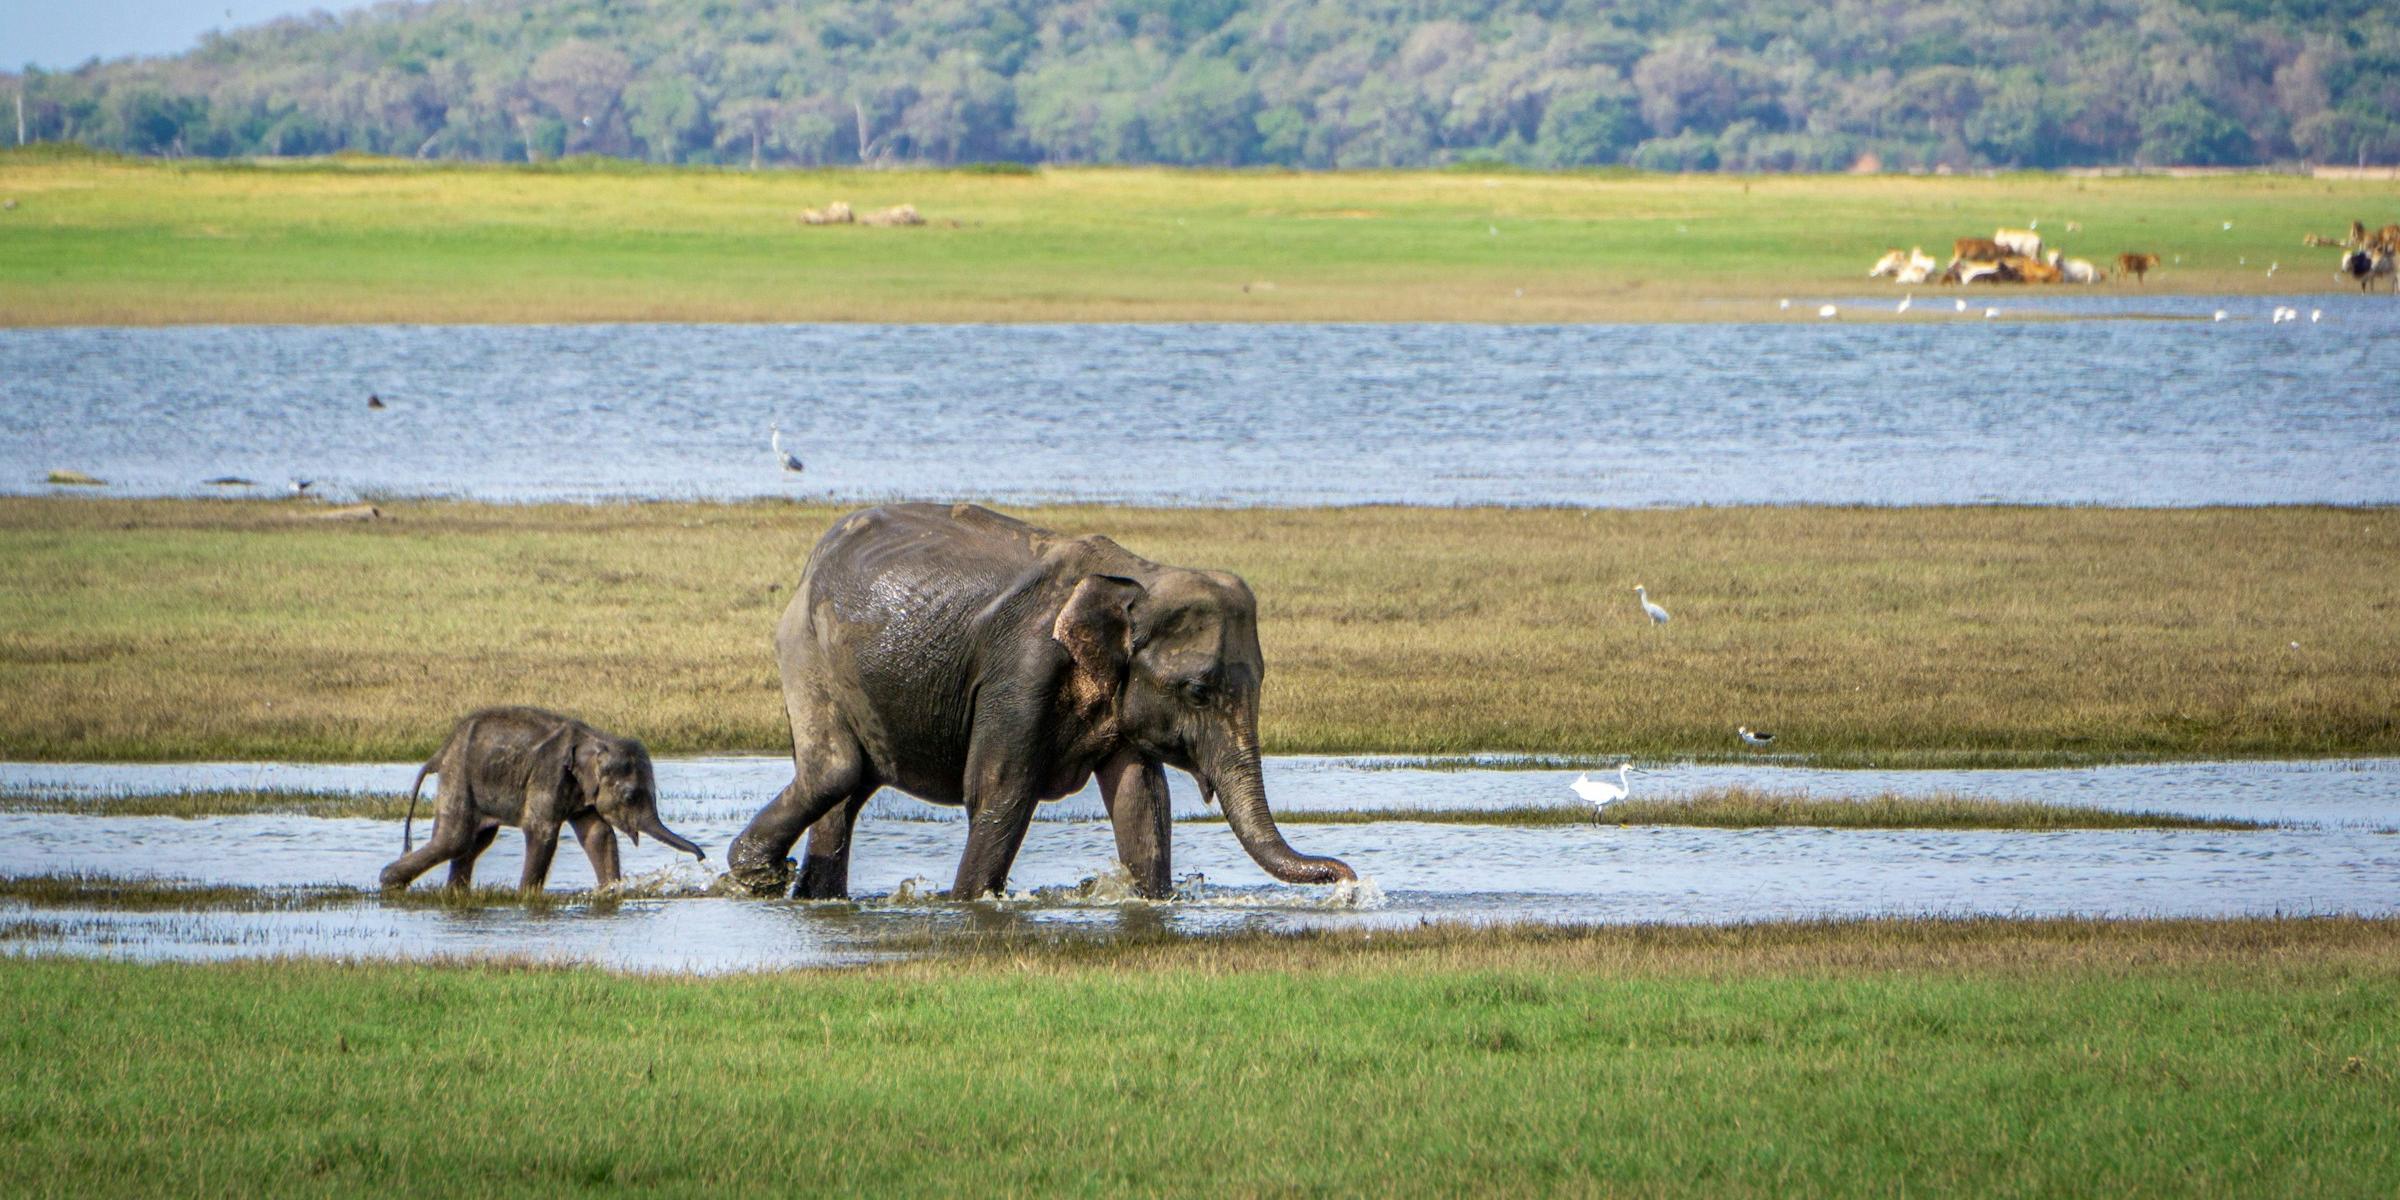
1662	84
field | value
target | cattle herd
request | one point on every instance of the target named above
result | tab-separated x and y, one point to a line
2017	256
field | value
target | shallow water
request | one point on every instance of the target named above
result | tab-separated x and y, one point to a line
2150	412
2337	855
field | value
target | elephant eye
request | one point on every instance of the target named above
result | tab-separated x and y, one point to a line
1198	692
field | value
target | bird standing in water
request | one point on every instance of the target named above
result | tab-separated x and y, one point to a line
790	461
1658	616
1601	793
1759	738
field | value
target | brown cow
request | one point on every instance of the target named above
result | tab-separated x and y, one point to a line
2137	265
1976	249
2387	238
2032	270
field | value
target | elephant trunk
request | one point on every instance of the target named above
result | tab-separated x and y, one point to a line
1236	779
658	829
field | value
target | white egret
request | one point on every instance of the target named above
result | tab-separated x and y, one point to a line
1658	616
2220	315
2229	227
2315	315
1601	793
2271	269
1962	305
1783	304
1758	737
1989	313
1905	301
790	461
1827	311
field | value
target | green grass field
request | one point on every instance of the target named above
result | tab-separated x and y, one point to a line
1916	636
149	243
2243	1058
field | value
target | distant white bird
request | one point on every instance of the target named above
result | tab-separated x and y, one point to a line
2271	268
1758	738
2033	225
1786	303
2229	227
1494	230
1601	793
1962	305
1905	301
1658	616
2220	315
790	461
2315	315
300	486
1989	313
1827	311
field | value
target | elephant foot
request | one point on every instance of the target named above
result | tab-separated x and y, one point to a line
757	875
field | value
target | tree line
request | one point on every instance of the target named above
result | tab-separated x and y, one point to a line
1659	84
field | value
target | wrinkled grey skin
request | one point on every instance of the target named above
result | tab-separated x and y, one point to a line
968	658
538	771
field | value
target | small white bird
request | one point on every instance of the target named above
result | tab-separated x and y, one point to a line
1962	305
2229	227
1783	304
1601	793
1658	616
1755	738
1905	301
301	486
1827	311
2315	315
2271	269
1989	313
1494	230
2219	316
790	461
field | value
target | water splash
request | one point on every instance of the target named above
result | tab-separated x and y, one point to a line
682	877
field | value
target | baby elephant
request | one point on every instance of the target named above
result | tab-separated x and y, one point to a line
535	770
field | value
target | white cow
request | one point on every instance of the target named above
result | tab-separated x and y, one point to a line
2073	270
1920	268
2020	241
1889	264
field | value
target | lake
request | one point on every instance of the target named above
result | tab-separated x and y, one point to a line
2103	399
2335	851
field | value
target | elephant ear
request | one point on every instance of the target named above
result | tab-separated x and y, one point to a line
552	759
1096	627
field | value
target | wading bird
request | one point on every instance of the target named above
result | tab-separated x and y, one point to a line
1758	738
374	401
1602	793
301	486
1905	301
790	461
1658	616
1961	305
1827	311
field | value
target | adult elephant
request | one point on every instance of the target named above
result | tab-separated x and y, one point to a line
967	657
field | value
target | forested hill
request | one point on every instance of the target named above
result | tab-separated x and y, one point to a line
1666	84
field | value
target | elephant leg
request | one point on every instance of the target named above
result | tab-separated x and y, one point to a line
825	869
454	830
599	845
1000	802
541	842
1136	795
828	768
462	868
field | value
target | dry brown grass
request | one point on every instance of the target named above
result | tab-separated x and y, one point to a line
182	629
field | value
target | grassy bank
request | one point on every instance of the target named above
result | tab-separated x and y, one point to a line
151	243
1719	808
1922	636
1979	1058
1750	808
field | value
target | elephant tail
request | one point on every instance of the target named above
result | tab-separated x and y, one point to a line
408	828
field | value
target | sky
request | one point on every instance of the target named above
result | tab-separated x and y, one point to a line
56	34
